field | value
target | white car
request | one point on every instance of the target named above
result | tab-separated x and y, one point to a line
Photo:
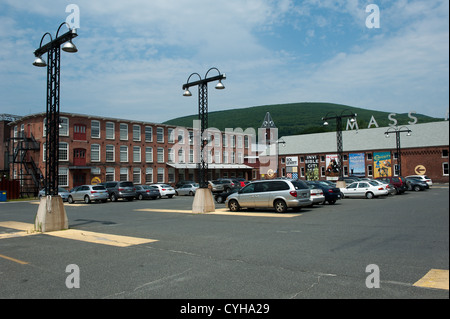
423	178
390	188
317	195
364	189
165	190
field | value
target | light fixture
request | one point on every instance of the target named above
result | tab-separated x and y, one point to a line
69	47
39	62
386	135
220	86
325	123
187	93
409	133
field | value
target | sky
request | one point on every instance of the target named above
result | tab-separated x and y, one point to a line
134	56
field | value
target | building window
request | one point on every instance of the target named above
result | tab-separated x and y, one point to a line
110	131
136	133
180	136
181	156
396	169
149	155
171	158
95	129
160	155
123	132
171	134
148	134
63	152
445	169
369	157
369	170
110	153
149	175
345	170
110	174
191	156
136	154
160	177
322	171
63	126
63	177
136	175
160	134
95	153
79	132
445	153
171	175
123	174
124	153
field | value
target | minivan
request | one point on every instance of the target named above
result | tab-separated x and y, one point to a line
116	190
277	194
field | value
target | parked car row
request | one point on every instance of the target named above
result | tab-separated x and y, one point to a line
282	194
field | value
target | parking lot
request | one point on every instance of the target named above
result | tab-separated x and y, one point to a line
159	249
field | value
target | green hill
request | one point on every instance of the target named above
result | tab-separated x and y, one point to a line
296	118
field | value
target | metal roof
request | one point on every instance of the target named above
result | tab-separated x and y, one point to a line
422	135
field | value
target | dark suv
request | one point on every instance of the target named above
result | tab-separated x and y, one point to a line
398	182
116	190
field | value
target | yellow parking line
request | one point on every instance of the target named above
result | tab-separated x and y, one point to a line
221	211
435	278
14	260
99	238
75	234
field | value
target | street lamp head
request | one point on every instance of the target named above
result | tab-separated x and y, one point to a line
187	93
220	86
39	62
69	47
386	135
409	133
325	123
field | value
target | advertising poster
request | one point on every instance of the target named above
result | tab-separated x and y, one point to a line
357	164
332	171
382	164
312	168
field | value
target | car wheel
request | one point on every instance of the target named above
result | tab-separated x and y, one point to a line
170	196
140	197
219	199
416	188
332	202
87	200
233	205
70	200
191	193
113	197
369	195
280	206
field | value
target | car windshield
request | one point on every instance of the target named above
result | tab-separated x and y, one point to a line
373	183
98	187
299	184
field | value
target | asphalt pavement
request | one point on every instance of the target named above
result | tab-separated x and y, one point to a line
390	248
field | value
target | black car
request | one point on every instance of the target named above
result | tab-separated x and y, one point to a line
416	184
332	194
222	196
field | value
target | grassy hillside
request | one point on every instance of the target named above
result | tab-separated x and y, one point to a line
296	118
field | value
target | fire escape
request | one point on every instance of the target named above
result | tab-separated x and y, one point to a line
29	175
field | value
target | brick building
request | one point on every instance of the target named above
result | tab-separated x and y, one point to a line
95	149
369	153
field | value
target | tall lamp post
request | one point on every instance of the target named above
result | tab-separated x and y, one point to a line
203	197
397	132
282	142
340	144
52	216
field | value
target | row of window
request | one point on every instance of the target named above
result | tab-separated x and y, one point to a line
110	154
80	133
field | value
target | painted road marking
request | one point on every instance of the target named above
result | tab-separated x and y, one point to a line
14	260
75	234
221	211
435	278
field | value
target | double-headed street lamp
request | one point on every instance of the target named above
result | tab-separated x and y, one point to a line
53	50
203	115
340	144
51	214
397	132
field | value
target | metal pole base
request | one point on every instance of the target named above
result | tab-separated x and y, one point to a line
203	201
51	215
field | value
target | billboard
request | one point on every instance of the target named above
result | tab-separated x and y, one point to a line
383	164
332	163
312	168
357	164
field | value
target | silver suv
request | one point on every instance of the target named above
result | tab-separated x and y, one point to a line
277	194
116	190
